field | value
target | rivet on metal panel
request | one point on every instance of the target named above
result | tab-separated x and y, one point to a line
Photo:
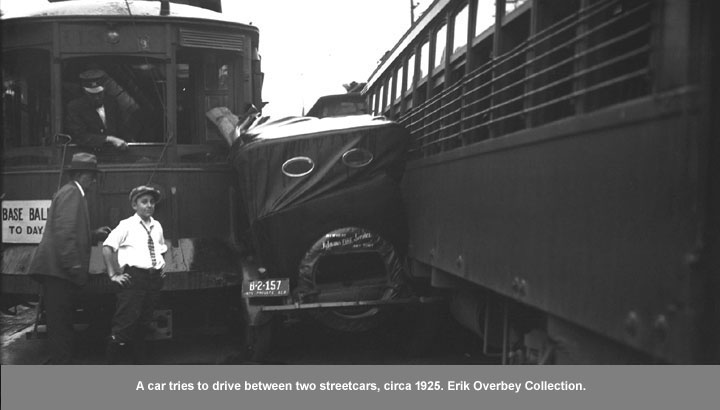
632	322
661	327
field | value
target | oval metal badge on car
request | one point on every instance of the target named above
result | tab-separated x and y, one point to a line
298	167
357	157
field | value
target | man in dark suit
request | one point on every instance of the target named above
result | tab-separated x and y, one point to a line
93	119
62	259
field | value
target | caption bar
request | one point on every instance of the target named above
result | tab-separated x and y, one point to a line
419	385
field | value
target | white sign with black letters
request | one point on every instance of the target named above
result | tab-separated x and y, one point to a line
24	221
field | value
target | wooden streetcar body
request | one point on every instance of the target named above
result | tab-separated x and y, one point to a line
563	183
164	68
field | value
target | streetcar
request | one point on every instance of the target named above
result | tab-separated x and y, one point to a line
339	105
166	64
563	183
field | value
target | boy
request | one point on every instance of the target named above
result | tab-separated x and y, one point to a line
139	245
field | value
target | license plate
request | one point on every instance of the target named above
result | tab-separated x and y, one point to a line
267	287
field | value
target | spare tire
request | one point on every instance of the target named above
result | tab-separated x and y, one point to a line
347	265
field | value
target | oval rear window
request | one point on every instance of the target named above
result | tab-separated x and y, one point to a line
357	157
298	167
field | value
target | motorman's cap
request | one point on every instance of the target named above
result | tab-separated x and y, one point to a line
82	161
92	81
142	190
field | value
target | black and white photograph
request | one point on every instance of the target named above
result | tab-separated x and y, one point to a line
455	184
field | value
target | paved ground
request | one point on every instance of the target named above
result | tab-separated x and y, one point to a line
294	343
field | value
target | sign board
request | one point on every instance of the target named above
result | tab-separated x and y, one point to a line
24	221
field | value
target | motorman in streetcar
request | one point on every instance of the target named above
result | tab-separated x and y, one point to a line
138	244
93	119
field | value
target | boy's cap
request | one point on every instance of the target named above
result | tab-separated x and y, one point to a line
142	190
92	81
82	161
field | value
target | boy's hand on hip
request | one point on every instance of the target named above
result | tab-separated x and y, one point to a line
122	279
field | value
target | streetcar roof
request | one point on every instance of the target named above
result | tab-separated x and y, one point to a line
410	35
93	8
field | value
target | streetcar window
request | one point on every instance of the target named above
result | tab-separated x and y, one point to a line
511	5
205	79
398	82
137	85
440	39
26	98
411	72
485	16
461	28
424	60
345	108
338	105
382	98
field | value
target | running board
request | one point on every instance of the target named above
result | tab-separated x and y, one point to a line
320	305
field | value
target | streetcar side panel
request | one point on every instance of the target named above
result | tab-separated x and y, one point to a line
558	186
593	226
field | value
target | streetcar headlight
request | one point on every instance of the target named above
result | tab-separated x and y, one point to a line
112	36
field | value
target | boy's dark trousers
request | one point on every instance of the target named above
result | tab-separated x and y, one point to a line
133	317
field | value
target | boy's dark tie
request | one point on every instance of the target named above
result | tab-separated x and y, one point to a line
151	246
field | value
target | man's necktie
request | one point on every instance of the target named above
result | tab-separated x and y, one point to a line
101	113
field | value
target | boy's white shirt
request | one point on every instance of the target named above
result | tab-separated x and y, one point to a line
129	239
